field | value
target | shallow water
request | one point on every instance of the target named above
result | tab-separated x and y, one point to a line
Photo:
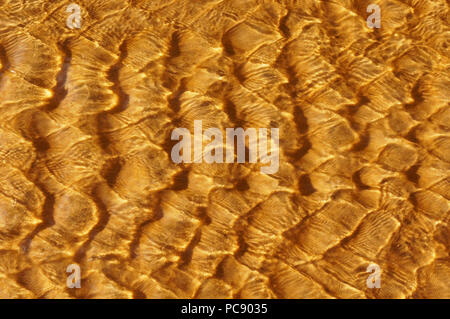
86	117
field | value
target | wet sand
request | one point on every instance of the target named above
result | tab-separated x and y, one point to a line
86	117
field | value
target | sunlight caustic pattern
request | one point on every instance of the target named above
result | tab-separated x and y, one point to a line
91	92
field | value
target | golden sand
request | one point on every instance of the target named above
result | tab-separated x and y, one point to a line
86	176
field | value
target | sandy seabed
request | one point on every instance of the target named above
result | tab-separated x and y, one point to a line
86	178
